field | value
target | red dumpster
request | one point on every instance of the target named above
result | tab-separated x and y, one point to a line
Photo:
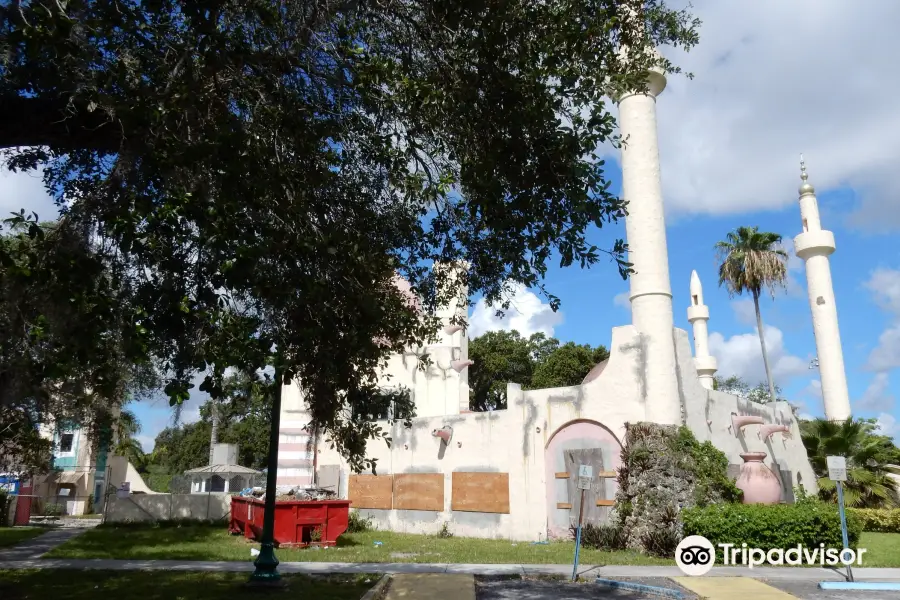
295	521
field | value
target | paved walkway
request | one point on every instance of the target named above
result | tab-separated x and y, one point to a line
431	586
40	545
17	561
732	588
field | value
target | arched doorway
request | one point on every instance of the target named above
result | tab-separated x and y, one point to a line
579	442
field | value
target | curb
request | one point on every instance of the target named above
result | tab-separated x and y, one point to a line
860	585
377	591
640	587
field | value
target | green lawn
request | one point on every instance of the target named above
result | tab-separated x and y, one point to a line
10	536
157	585
197	542
883	549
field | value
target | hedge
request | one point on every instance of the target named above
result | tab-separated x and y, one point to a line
878	519
769	527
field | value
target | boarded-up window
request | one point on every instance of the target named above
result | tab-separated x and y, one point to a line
371	491
419	491
480	492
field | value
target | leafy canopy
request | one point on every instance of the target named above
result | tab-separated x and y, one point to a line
257	171
503	357
871	458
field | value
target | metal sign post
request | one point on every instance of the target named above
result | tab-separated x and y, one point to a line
585	477
837	472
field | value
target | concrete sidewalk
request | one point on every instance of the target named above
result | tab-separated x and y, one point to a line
611	571
38	546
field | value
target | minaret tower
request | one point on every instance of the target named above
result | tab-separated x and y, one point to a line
814	246
698	316
645	228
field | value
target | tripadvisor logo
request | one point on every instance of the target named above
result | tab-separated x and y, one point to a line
696	555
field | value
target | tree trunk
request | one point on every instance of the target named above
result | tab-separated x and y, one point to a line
214	434
762	343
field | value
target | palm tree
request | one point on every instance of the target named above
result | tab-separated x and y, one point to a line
126	428
751	260
868	484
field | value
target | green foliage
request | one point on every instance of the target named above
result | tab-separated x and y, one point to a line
868	484
740	388
771	526
503	357
445	532
663	538
878	519
69	351
709	466
257	172
358	523
609	537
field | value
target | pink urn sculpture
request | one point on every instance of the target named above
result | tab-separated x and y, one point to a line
759	484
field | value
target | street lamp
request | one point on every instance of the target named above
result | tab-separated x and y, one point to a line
814	363
266	564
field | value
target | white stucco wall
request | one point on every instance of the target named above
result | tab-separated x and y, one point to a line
514	440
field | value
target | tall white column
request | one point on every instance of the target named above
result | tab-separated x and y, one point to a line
698	317
814	246
645	227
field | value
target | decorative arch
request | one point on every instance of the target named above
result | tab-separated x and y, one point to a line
578	439
586	421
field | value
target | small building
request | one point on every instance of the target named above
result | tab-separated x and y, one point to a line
224	475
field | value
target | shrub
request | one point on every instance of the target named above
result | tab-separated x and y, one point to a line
445	531
601	537
359	523
662	540
767	527
709	466
877	519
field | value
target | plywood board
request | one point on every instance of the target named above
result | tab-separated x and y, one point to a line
371	491
480	492
563	475
563	505
606	475
419	491
593	513
606	502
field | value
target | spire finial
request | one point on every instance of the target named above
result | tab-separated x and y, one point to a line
805	187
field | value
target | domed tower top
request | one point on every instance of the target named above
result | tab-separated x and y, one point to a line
806	187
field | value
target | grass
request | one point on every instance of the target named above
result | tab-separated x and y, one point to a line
200	542
208	542
883	549
10	536
156	585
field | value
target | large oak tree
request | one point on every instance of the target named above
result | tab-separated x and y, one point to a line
257	170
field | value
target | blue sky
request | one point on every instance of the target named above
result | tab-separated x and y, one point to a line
772	79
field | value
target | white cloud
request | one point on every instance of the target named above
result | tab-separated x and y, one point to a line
813	389
25	190
886	425
877	396
885	287
623	301
527	314
886	355
741	355
774	79
884	284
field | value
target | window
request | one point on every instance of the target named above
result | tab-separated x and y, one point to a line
66	442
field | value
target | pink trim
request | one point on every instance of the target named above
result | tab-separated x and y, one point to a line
588	421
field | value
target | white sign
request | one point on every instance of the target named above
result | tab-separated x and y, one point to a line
837	468
585	475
